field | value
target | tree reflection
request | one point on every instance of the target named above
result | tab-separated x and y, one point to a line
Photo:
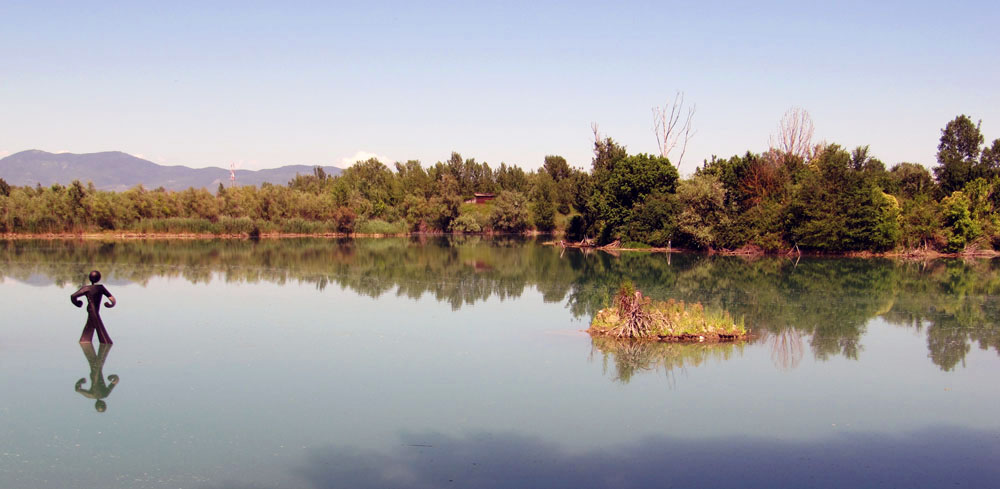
786	348
630	356
826	303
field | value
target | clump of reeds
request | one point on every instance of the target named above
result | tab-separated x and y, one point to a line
633	315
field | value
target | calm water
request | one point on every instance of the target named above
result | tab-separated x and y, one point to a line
460	363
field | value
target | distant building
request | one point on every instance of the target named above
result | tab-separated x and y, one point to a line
481	198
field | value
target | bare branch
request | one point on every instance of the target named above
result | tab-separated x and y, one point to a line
795	132
670	131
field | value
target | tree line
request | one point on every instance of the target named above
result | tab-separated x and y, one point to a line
822	197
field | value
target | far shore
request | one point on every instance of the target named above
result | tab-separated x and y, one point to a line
920	253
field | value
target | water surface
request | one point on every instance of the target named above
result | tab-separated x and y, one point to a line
460	363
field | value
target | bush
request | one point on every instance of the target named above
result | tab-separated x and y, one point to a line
510	212
466	223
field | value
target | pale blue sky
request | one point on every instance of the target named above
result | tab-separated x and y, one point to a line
303	83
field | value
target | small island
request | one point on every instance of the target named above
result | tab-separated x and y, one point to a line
633	315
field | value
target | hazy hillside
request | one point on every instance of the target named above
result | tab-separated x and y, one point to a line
114	170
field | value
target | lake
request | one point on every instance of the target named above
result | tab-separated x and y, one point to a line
450	362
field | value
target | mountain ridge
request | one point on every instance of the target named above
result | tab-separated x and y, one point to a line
119	171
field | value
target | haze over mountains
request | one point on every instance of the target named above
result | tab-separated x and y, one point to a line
114	170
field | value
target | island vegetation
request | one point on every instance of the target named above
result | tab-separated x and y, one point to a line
635	316
797	195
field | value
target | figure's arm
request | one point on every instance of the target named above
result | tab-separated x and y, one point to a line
111	298
79	384
114	381
74	297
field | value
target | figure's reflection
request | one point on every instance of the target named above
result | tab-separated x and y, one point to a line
99	389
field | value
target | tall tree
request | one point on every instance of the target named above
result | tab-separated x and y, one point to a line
556	167
958	154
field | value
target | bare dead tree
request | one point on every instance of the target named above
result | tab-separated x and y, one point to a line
670	130
795	132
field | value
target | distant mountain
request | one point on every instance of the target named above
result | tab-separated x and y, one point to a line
114	170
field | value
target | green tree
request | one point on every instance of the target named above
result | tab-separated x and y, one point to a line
556	167
510	212
653	221
909	180
960	228
836	208
958	154
701	200
622	181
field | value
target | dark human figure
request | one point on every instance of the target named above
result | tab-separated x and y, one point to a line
99	389
94	292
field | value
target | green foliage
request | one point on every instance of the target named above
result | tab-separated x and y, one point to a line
621	181
543	215
510	213
466	223
919	221
837	201
543	210
908	180
960	229
958	155
380	227
837	209
556	167
653	221
702	202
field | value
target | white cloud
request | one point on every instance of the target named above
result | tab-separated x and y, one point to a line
361	156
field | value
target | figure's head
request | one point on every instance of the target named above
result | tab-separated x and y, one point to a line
95	277
100	406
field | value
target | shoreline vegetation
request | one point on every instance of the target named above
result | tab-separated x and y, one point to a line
636	317
792	199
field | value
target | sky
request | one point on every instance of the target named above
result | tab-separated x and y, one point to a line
270	84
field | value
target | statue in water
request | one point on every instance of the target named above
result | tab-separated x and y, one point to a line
94	292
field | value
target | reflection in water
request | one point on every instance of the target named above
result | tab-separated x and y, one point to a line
960	458
823	302
786	348
99	389
630	356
